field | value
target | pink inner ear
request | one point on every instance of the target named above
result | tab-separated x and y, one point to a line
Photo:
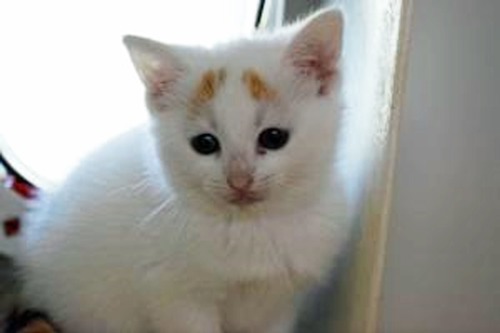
316	62
162	80
160	86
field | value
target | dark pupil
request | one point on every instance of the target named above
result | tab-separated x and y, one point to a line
205	144
273	138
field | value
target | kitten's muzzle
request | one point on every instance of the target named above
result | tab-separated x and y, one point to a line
240	182
240	189
240	179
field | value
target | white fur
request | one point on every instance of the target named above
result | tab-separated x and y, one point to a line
140	238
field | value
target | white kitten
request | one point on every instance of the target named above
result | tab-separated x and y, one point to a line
218	216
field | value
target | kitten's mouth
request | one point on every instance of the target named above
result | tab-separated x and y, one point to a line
244	198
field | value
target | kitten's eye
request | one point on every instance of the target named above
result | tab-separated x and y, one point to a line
205	144
273	138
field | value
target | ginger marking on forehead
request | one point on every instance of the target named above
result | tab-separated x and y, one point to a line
208	86
257	86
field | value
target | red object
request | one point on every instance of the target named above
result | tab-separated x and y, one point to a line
16	183
23	189
11	227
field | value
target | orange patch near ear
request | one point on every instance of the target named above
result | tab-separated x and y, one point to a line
257	87
208	86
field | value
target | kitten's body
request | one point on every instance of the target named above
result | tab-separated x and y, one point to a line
141	237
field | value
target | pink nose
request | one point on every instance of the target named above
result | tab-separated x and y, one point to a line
240	182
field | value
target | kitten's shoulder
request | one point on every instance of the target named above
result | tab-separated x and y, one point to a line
113	181
118	176
119	161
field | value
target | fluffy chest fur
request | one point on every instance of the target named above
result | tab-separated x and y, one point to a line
294	246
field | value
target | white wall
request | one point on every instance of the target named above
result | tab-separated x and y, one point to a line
443	262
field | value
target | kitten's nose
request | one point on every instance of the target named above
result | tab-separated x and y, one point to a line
239	174
240	182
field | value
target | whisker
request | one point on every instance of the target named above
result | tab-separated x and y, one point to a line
157	210
136	186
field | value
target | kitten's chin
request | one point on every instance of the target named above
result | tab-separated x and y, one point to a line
239	201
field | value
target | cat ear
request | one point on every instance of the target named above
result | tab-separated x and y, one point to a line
157	67
315	50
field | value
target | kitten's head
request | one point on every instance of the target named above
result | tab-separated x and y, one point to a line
250	124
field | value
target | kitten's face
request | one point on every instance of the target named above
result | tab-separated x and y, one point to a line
244	148
249	125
